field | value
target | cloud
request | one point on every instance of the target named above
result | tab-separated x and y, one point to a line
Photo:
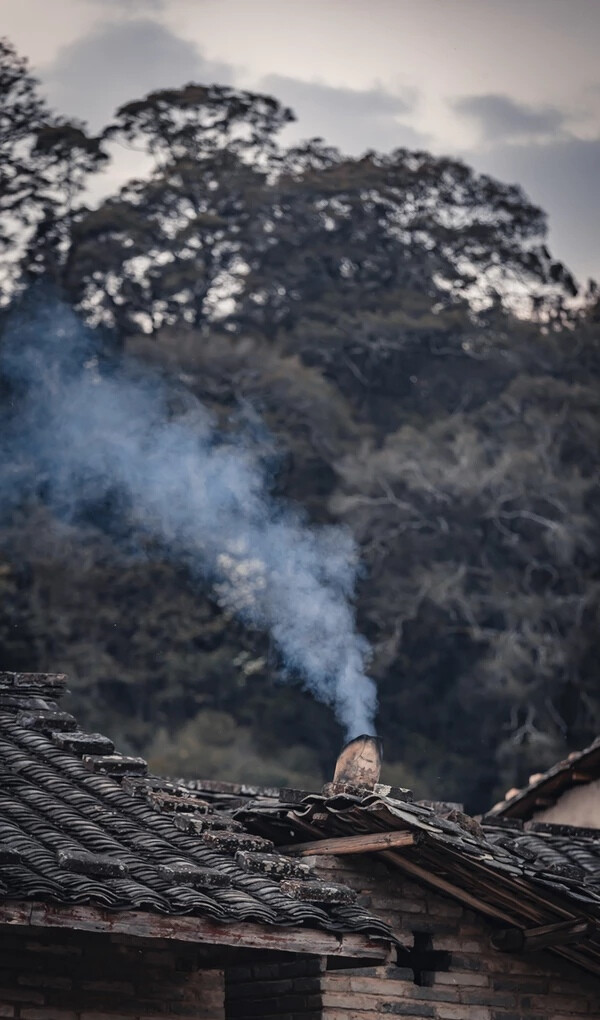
121	61
533	147
351	119
500	118
129	6
562	177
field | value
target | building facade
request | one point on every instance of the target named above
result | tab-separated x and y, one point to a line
126	895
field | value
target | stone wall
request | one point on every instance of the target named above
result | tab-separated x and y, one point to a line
62	975
450	971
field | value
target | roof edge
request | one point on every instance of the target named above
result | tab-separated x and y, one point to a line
243	935
578	769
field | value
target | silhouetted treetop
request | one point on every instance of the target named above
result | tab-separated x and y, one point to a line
196	120
45	163
231	226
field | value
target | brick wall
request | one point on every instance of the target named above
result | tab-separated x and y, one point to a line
275	990
57	975
451	971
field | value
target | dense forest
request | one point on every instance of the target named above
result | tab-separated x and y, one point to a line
419	370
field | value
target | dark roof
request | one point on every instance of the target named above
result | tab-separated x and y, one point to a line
80	824
543	790
520	876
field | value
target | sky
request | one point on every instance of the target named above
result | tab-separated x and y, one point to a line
511	86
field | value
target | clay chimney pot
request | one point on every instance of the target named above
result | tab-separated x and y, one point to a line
359	762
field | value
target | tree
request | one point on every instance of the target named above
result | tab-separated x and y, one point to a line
44	164
231	227
170	249
367	231
360	310
479	532
167	250
195	121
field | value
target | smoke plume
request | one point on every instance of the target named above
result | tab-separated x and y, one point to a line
89	429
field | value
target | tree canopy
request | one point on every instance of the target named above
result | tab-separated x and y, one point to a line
45	163
399	325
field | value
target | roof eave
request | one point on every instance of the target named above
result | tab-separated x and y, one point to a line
199	930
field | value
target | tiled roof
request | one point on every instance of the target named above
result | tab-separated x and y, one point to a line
526	876
544	790
80	824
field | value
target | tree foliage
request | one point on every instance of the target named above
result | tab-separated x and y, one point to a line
45	162
364	310
232	227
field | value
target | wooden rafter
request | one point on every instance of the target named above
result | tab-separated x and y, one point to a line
443	885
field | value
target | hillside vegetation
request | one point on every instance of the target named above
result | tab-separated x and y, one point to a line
395	332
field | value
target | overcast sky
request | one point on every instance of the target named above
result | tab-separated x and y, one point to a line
513	86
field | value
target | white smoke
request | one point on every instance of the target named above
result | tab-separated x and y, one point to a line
94	431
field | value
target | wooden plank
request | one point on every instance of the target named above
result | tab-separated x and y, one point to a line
582	959
559	934
193	929
370	842
534	903
491	884
544	937
437	882
380	842
547	899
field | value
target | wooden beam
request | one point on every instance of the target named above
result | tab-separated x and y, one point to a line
193	929
517	940
490	884
381	843
370	842
429	878
437	882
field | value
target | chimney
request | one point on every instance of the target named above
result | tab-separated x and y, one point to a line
358	766
357	771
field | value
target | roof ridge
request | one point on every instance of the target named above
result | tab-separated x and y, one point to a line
577	769
20	691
